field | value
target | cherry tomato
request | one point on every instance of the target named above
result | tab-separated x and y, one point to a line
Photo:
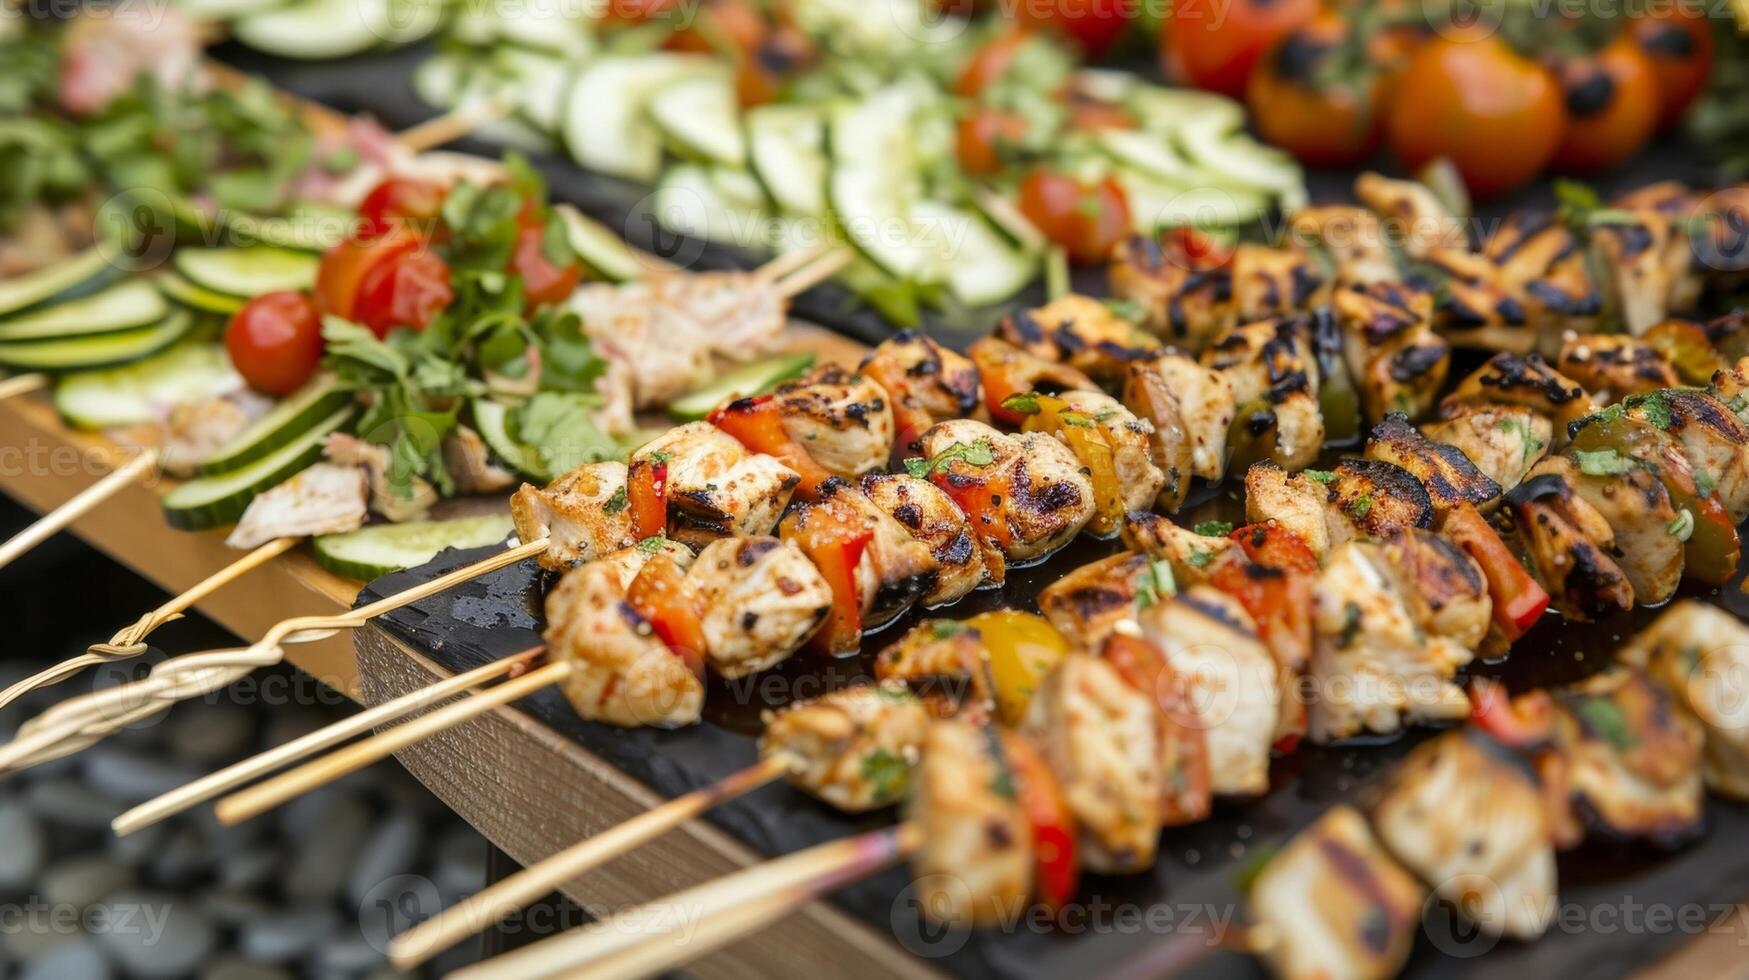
345	266
1678	39
1092	115
1093	25
1086	220
1612	106
722	27
990	63
1496	115
629	12
1213	44
543	282
1322	122
275	341
985	138
406	291
400	202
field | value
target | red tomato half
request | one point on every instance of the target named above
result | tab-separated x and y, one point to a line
1213	44
346	265
1086	220
406	291
400	202
543	283
1678	38
275	341
1093	25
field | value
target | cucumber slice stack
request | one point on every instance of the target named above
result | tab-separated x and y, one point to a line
372	552
213	501
138	393
283	423
247	272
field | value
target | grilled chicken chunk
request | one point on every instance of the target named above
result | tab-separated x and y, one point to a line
1090	602
1192	556
1209	640
1508	379
1476	308
759	600
715	486
1270	281
1396	360
1613	366
854	748
1275	385
1699	654
1730	385
1636	280
1335	904
1413	215
1187	303
944	661
1099	736
1375	667
741	315
622	673
1131	442
1083	333
1541	264
1182	754
322	499
1205	403
1678	204
1440	584
196	432
1368	498
1003	367
895	568
469	462
925	383
1353	237
1449	477
1637	508
1715	441
1170	444
1627	761
628	562
583	515
1503	441
1569	545
1031	496
975	863
667	350
396	505
1295	502
931	516
841	419
1470	823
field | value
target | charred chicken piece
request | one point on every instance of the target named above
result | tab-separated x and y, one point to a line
1395	358
1637	508
1354	239
715	487
1026	495
1508	379
1187	301
1128	450
1092	601
1372	499
944	662
667	350
1332	903
583	515
1470	823
975	864
1613	366
1440	584
1569	545
1081	332
1502	441
843	420
854	748
1200	399
1715	441
1412	214
1293	501
925	383
1269	281
931	516
1699	654
1542	265
759	600
1444	471
1192	556
1636	280
1274	375
622	672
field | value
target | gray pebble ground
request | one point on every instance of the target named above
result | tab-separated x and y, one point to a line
281	897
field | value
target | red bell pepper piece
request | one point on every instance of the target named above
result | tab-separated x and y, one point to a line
1521	723
757	423
1519	599
661	596
647	495
835	543
1056	857
1275	546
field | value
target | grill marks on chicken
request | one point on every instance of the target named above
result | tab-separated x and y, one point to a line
854	748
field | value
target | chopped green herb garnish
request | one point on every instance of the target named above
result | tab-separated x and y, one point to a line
1322	476
1350	624
1362	507
1603	462
1214	529
652	544
886	774
1682	527
1654	406
616	503
1199	557
947	629
1128	309
975	453
1704	483
1607	721
1155	584
1025	403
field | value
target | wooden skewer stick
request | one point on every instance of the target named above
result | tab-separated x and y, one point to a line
56	521
129	642
260	798
22	384
639	941
454	124
812	275
480	910
230	777
79	722
790	261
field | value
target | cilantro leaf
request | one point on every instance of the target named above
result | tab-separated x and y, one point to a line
1214	529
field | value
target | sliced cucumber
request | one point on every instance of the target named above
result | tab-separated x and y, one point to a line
605	127
1155	205
83	273
690	202
140	392
1239	160
701	120
305	408
979	265
492	420
873	181
1166	110
749	379
307	228
181	291
786	146
316	30
211	501
372	552
103	350
223	10
600	249
132	303
248	272
1150	154
540	81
